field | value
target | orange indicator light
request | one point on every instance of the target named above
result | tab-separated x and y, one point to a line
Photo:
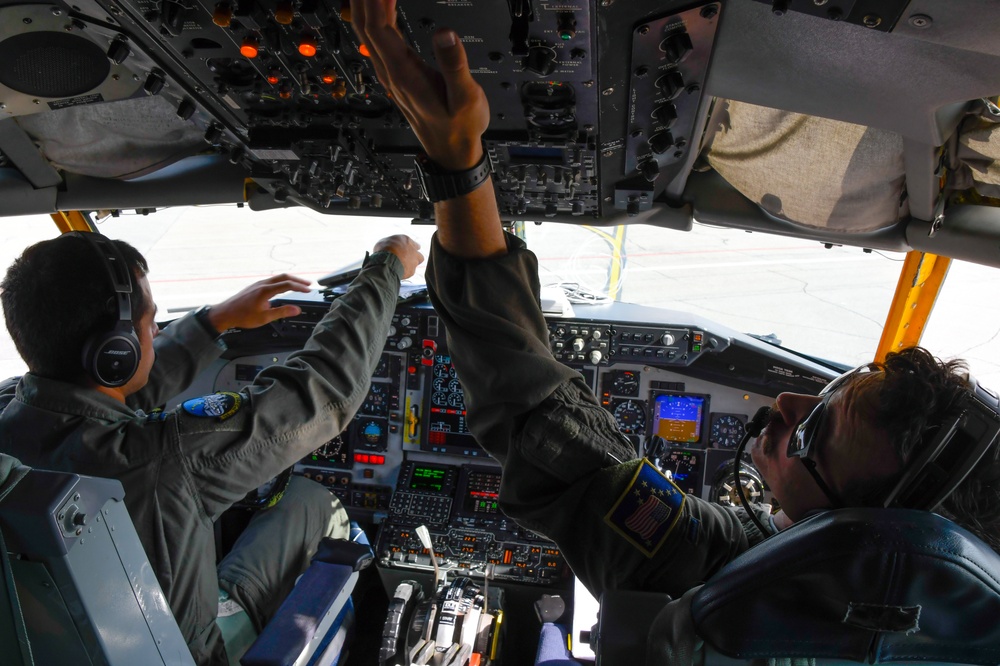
249	48
307	47
363	50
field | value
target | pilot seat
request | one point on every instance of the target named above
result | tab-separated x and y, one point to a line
78	589
849	586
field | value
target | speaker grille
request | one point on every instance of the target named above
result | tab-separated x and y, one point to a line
52	64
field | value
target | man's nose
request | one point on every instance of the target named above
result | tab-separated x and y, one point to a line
796	406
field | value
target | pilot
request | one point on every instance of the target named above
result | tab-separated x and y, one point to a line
182	467
568	473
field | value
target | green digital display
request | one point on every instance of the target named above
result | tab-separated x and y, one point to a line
427	478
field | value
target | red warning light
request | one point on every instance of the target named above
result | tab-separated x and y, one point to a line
363	50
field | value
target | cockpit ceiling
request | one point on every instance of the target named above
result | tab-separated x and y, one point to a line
857	122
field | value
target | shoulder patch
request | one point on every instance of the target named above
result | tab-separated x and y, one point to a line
219	405
648	510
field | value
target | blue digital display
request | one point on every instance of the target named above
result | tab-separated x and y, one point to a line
678	418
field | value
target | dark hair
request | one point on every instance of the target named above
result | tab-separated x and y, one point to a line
912	395
56	295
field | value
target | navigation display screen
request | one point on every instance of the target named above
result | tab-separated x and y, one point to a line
679	418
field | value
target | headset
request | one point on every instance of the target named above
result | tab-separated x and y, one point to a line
952	449
111	357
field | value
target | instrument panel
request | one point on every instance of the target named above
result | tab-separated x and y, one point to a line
680	392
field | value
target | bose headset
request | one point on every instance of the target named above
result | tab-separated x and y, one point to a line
111	357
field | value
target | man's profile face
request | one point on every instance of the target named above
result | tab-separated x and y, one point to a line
146	329
847	448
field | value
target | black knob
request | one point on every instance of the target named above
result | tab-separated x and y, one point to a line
632	208
661	142
665	114
576	207
675	46
281	195
671	83
154	82
118	51
213	134
541	60
551	210
649	170
185	109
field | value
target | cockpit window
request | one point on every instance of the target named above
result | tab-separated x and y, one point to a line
827	303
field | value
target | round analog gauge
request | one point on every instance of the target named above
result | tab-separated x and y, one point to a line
439	384
727	430
454	386
630	415
440	370
439	399
724	484
456	400
626	383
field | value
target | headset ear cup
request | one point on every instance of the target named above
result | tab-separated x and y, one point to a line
112	358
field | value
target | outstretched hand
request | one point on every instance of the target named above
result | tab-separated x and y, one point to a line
447	109
251	307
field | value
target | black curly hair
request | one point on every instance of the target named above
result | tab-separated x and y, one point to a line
912	393
56	295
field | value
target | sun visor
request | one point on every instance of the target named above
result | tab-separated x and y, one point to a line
809	170
124	139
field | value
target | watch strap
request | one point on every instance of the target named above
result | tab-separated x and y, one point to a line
437	184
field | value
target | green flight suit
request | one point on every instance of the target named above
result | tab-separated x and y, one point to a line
567	471
181	470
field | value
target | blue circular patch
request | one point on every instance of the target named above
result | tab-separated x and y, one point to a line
217	405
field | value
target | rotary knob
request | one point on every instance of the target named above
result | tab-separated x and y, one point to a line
667	339
596	335
578	344
404	343
595	357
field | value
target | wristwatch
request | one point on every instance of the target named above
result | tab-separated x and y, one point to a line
437	184
201	316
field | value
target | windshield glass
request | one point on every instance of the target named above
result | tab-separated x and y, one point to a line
829	303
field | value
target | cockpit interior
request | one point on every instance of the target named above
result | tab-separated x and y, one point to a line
864	123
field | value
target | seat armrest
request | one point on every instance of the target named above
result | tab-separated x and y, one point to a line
304	617
348	553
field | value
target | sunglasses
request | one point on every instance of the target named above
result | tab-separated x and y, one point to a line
803	444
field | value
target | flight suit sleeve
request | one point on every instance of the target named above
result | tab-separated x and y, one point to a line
233	442
183	349
568	472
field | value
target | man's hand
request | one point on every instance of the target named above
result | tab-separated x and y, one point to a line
447	109
251	307
404	247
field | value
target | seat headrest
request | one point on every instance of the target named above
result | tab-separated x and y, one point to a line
867	585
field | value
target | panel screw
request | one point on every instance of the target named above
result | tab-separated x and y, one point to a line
709	11
820	3
607	3
644	30
588	84
872	21
608	91
920	21
835	13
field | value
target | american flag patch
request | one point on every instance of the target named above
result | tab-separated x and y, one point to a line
647	511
